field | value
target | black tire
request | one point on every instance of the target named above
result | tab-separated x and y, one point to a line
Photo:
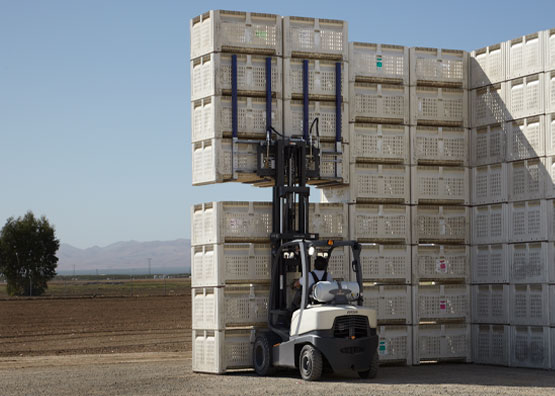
262	355
310	363
373	370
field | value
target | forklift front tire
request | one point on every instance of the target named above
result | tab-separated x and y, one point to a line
373	370
262	355
310	363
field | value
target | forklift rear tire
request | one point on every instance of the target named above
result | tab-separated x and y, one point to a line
262	355
373	370
310	363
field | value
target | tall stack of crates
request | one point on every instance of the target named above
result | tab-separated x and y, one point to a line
513	207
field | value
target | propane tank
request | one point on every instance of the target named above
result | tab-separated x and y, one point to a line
325	291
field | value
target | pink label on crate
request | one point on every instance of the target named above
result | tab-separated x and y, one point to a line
441	265
442	305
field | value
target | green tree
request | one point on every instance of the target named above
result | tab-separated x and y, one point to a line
28	247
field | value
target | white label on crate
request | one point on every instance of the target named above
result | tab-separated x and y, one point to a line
441	265
442	305
317	39
382	348
442	227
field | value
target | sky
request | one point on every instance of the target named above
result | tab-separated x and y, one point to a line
95	101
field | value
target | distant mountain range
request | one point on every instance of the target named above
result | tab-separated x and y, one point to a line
127	257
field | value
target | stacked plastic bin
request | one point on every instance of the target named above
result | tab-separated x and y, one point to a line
440	196
512	218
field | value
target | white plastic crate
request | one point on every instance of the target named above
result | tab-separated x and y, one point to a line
392	302
487	145
552	305
491	344
235	31
525	96
549	82
488	65
525	55
385	263
440	224
315	38
212	118
339	264
217	265
529	304
527	180
490	224
441	302
326	114
395	344
440	184
439	145
321	79
440	263
216	308
530	221
489	184
532	262
379	103
380	183
490	263
490	304
530	347
439	67
329	220
218	351
230	221
379	143
488	104
372	62
525	138
379	223
441	343
550	134
549	55
211	75
553	348
439	106
550	176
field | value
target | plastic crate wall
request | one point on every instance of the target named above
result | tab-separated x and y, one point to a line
532	262
488	104
490	263
380	223
528	221
550	134
525	96
526	138
489	184
395	344
440	263
439	145
489	224
385	63
441	342
380	183
549	52
379	103
491	344
550	176
440	224
487	145
488	65
552	306
392	302
441	302
439	67
490	304
385	263
379	143
527	180
321	79
529	304
525	55
324	111
439	106
329	220
530	347
440	184
549	82
235	31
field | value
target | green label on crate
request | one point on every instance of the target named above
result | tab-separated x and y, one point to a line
378	61
261	34
382	348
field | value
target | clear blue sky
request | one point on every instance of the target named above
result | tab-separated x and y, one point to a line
94	100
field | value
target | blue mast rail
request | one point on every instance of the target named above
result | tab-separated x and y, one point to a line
338	102
234	123
268	94
305	99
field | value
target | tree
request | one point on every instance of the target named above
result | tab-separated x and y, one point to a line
28	247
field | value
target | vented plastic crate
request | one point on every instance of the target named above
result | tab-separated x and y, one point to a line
550	176
439	106
339	264
379	103
553	348
329	220
490	304
380	223
439	67
527	180
321	79
217	265
440	184
440	224
525	138
549	55
441	302
385	263
211	75
218	351
525	96
215	308
549	83
525	55
487	145
235	31
489	184
439	145
440	263
488	104
491	344
211	117
532	262
530	221
550	134
379	143
441	343
395	344
385	63
326	114
490	263
490	224
392	302
315	38
230	221
552	305
529	304
530	347
488	65
380	183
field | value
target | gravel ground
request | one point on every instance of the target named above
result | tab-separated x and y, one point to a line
168	373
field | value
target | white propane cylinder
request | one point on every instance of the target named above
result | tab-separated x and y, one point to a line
325	291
